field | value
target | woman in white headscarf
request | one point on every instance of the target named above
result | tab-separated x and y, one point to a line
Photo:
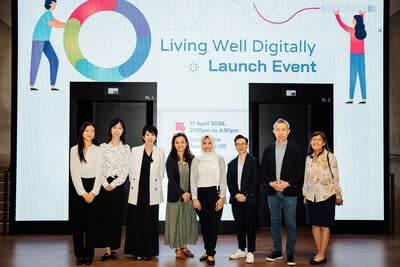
208	187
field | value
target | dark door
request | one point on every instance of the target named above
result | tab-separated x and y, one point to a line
298	117
133	114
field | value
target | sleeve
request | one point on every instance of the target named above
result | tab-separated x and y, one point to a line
252	188
170	175
74	167
344	26
123	169
194	178
222	177
306	180
99	173
162	165
130	166
105	182
335	171
48	17
264	170
229	181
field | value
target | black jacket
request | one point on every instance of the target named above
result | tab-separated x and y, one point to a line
174	190
292	170
249	182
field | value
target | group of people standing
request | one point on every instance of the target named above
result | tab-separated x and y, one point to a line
195	185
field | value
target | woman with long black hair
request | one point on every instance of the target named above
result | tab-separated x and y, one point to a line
85	166
111	199
180	221
208	187
357	54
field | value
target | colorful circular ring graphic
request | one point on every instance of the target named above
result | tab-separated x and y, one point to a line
96	73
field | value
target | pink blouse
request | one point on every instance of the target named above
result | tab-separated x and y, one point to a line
356	45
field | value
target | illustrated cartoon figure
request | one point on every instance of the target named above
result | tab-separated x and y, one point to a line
357	55
41	44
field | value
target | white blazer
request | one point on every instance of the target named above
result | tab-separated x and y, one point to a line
157	170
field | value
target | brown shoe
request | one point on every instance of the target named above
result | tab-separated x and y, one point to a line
179	254
187	252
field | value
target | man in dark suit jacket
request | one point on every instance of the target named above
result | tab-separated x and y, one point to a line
242	180
282	172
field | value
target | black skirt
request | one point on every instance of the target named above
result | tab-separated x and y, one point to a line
321	213
110	208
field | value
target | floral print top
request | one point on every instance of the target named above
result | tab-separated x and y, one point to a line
319	182
115	163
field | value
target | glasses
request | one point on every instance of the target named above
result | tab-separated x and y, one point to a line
240	144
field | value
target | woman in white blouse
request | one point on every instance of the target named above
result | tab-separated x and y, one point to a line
111	199
321	192
208	188
146	171
85	165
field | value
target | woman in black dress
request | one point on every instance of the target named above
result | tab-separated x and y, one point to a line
146	171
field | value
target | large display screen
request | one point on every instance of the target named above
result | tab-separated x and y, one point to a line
202	54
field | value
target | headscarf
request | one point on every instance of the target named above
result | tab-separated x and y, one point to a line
208	155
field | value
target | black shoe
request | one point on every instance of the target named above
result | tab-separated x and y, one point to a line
314	262
290	260
276	255
211	262
349	102
105	257
362	102
114	256
55	89
88	261
79	261
34	89
203	258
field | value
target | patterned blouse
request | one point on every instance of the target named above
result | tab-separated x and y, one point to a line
319	184
115	163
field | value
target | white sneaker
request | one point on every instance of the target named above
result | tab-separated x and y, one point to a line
250	258
238	254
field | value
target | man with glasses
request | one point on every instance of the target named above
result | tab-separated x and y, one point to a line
282	168
242	180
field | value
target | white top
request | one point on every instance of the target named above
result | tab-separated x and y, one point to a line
90	169
115	163
206	173
240	170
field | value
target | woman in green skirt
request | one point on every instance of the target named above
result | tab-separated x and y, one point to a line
180	223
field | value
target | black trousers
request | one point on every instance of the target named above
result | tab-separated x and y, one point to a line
245	222
209	218
83	219
142	231
110	207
